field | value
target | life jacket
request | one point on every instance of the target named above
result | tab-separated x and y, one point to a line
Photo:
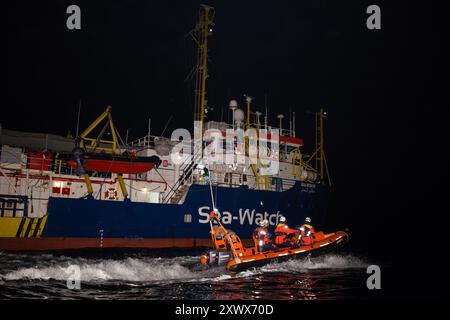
261	236
281	231
306	230
307	233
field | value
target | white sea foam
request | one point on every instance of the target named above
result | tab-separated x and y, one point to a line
130	269
332	261
166	269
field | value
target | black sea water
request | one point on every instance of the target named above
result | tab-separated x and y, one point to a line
178	275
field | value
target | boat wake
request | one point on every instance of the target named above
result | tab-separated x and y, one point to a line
150	269
128	269
331	261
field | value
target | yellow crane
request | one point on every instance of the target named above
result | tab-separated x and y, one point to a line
99	143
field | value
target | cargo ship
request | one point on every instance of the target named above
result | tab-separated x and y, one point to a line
96	191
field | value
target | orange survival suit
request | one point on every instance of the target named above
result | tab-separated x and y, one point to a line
261	237
281	233
306	234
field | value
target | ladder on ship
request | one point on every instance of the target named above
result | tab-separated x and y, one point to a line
180	187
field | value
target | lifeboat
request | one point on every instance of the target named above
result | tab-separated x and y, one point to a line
115	163
230	251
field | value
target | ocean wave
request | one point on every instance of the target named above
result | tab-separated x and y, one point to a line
331	261
181	269
129	269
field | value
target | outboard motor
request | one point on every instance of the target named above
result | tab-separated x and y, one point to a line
217	258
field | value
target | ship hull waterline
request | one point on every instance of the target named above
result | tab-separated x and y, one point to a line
90	223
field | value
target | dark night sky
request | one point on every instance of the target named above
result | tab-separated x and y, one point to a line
134	56
376	85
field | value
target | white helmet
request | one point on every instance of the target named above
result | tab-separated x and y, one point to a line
308	220
282	219
264	223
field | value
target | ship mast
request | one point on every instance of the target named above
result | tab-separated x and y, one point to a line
321	160
200	34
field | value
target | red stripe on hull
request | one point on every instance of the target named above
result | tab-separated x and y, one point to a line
43	244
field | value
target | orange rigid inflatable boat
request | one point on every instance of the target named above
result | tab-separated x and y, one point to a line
229	249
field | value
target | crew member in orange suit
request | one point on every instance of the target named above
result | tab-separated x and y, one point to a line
261	236
283	233
306	236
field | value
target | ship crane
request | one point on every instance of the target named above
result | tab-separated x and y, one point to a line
85	157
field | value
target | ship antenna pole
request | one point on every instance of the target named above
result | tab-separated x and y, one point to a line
293	123
265	117
148	131
78	118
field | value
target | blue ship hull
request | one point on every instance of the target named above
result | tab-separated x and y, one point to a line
81	223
